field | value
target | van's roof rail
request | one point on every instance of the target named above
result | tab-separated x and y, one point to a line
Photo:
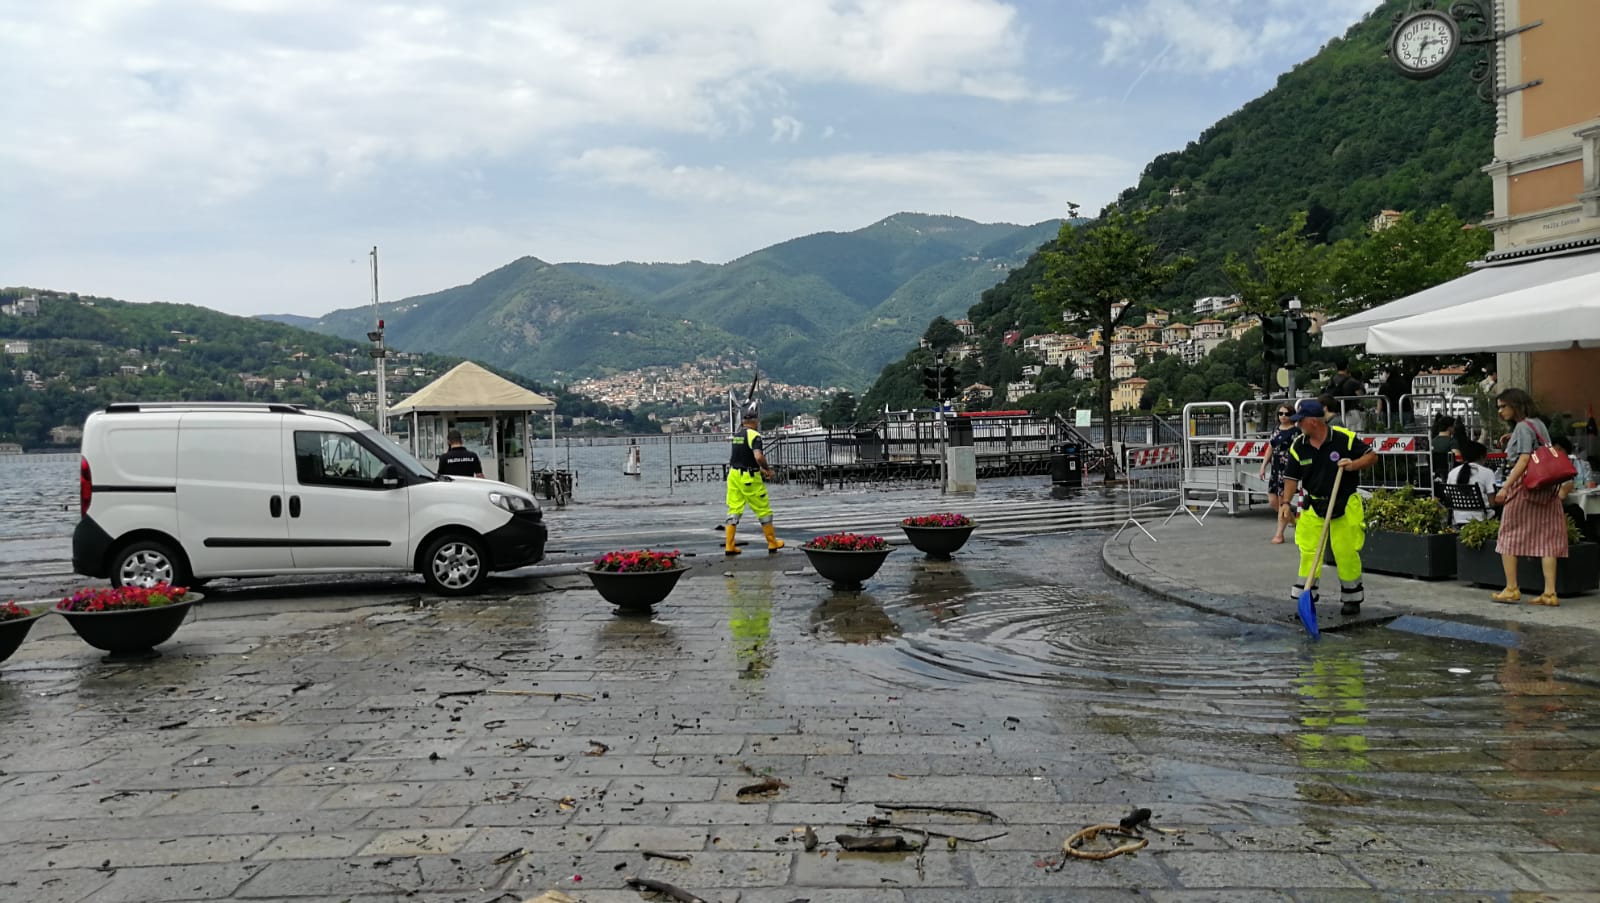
266	407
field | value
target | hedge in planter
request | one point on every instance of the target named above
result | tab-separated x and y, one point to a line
1478	562
1409	535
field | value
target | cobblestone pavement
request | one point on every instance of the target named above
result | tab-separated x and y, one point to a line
393	747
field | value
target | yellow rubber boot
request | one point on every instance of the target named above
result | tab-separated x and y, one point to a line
730	548
773	542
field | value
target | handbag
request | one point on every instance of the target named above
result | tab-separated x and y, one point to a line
1547	465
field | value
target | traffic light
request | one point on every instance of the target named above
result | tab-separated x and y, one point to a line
930	383
1274	341
1302	341
947	383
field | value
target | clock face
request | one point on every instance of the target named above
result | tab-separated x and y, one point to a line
1423	44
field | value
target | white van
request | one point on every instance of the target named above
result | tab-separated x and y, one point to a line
186	491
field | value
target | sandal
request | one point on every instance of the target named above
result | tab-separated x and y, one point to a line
1546	599
1508	596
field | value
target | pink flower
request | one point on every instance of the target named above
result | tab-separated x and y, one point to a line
637	561
847	542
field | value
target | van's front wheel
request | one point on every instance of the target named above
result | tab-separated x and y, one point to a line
146	563
455	565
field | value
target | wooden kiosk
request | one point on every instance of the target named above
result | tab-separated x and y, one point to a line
490	412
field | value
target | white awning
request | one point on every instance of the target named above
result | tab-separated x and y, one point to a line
470	388
1562	314
1487	282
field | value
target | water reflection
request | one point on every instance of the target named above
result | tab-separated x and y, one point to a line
750	622
940	589
1332	714
852	616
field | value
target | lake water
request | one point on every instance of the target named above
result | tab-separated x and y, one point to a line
39	507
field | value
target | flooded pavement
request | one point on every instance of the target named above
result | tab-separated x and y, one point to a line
388	746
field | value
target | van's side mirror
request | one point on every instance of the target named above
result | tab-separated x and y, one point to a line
390	477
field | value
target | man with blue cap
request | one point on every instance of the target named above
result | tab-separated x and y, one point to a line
1315	455
747	476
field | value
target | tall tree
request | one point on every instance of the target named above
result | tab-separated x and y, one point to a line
1403	259
941	334
1093	268
1282	265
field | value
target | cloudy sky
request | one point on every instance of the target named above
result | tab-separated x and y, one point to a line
246	154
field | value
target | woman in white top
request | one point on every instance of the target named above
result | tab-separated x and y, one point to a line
1472	471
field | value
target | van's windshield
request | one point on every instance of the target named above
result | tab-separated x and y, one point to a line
400	454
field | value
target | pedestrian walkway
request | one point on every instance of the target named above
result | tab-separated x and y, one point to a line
982	710
1226	566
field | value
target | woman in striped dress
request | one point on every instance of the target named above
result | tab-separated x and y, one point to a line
1533	523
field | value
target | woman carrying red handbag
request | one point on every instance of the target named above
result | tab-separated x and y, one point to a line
1533	523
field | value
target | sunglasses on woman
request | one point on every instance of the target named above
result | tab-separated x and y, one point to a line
1285	413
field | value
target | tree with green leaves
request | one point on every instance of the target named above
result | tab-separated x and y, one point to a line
839	410
1410	255
941	334
1093	268
1285	264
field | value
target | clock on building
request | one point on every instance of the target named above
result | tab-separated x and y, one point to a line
1424	43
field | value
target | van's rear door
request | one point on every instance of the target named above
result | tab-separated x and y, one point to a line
231	510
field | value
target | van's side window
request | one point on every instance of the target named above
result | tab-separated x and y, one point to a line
334	459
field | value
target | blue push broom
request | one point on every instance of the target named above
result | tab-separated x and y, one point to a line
1308	608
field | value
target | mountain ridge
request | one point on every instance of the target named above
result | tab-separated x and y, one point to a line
801	306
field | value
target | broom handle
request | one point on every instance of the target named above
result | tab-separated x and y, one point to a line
1327	523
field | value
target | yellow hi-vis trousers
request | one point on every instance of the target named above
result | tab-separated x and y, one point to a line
745	487
1346	537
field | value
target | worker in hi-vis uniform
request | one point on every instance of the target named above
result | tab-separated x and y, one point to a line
747	468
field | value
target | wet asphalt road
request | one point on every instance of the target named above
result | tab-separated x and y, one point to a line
375	744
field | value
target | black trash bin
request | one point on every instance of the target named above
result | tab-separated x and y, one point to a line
1066	465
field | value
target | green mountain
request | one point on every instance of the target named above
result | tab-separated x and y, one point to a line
77	353
1342	136
824	309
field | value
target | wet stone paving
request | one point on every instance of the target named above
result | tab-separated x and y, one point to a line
982	709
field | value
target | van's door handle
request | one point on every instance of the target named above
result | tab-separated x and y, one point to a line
275	505
294	506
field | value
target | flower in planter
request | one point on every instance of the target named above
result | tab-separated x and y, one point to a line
122	598
11	611
637	561
847	542
937	520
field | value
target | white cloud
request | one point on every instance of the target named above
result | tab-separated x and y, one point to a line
1211	36
1019	186
786	128
213	98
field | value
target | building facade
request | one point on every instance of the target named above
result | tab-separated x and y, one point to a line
1546	167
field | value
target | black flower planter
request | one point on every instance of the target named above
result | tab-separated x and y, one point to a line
129	633
1429	556
1576	574
938	542
846	569
14	631
634	591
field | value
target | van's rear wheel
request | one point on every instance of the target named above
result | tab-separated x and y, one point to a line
146	563
455	565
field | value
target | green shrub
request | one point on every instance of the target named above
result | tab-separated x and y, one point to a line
1475	533
1406	511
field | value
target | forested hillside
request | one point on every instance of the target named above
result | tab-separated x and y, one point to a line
823	309
80	352
1340	138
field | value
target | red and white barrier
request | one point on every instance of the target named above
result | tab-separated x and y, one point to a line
1153	456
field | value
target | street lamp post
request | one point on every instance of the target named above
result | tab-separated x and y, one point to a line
378	352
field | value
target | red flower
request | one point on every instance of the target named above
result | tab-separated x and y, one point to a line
11	611
637	561
938	520
847	542
123	598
